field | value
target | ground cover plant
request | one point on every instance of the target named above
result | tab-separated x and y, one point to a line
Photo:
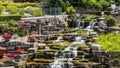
110	42
10	8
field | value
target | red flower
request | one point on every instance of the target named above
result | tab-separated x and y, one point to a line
23	23
32	37
6	35
20	51
2	48
11	54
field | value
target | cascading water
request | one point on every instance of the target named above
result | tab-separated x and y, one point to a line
102	13
60	38
59	57
78	40
57	64
80	24
75	51
91	26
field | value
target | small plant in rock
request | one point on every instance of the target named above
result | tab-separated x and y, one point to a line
89	18
110	20
70	10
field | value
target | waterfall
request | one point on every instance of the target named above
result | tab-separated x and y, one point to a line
80	24
67	49
68	54
56	64
78	39
60	38
102	13
75	51
91	26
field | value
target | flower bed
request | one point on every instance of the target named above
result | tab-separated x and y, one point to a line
7	36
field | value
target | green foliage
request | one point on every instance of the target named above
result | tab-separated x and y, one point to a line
88	2
36	12
21	32
1	8
110	42
70	10
6	26
110	20
12	9
59	3
21	11
22	5
104	3
89	18
33	11
10	17
98	4
28	8
118	1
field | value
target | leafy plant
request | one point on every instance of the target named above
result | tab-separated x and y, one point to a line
104	3
36	12
70	10
6	26
10	17
12	8
89	17
1	8
110	20
109	42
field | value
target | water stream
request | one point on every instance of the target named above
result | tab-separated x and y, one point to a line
60	38
60	57
80	24
91	26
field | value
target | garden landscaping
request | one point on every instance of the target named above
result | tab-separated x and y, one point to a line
60	34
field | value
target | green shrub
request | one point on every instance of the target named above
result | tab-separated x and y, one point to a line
4	3
1	8
89	18
22	5
110	20
98	6
28	8
31	4
21	32
70	10
12	9
6	26
13	23
119	1
36	12
104	3
21	11
110	42
10	17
